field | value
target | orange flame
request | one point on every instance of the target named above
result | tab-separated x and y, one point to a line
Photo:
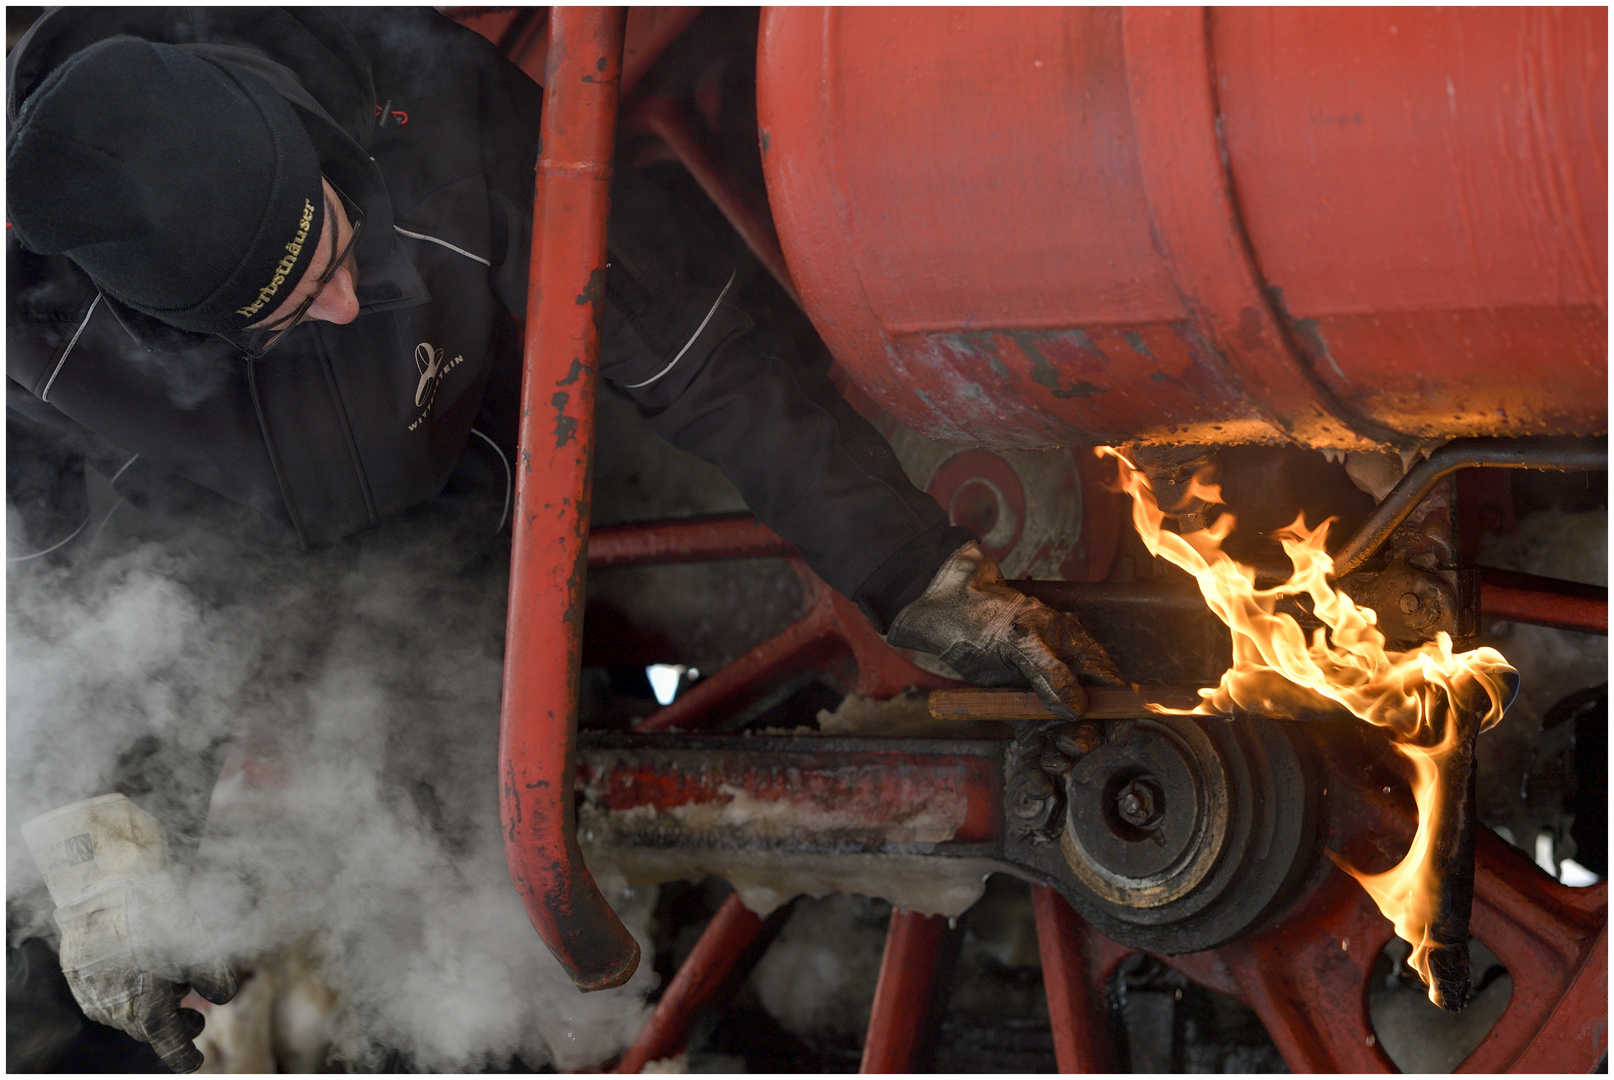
1277	671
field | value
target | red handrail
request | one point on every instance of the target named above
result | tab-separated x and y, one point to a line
565	304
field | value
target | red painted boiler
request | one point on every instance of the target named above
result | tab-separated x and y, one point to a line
1033	227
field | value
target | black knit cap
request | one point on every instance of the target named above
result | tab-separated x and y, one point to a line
184	186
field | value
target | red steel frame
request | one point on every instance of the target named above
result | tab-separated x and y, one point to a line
1306	975
902	995
565	303
726	937
1075	1007
1309	992
725	536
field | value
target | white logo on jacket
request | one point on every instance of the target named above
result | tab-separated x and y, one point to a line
429	362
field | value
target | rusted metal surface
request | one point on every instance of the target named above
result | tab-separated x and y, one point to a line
1451	853
1038	515
914	821
1428	190
1568	605
832	629
1077	1014
544	631
702	974
903	994
1408	496
653	543
1367	225
1304	968
798	793
1191	205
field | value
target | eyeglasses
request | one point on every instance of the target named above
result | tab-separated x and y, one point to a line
257	342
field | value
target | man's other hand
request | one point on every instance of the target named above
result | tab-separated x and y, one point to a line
131	943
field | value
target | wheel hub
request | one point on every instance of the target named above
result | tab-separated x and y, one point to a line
1180	833
1146	814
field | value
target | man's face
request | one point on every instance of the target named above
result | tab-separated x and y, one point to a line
338	301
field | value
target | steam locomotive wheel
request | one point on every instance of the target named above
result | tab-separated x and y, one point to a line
1296	941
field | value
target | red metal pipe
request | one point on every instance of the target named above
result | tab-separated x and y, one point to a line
902	996
831	627
729	536
565	301
721	944
650	30
1081	1037
1568	605
804	643
672	125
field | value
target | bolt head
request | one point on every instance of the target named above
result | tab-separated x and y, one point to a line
1410	602
1135	804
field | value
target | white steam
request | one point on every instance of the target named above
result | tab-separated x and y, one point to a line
358	687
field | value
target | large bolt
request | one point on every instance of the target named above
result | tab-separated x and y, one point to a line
1410	602
1139	803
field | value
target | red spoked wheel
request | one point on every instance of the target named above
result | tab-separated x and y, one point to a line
1305	971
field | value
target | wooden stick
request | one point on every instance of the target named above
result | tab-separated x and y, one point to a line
1103	703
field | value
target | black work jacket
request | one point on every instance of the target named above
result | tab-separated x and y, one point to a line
434	134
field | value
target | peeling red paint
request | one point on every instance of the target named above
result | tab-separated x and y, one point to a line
543	639
1443	229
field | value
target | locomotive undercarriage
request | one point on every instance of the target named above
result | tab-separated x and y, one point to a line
783	792
801	758
1198	843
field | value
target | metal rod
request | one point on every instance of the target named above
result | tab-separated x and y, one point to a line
538	723
721	944
1103	703
650	30
805	642
903	994
1452	853
1549	454
1076	1014
1568	605
703	539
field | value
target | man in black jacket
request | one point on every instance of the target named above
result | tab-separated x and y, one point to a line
279	252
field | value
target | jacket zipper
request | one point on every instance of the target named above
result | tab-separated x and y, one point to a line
347	431
274	458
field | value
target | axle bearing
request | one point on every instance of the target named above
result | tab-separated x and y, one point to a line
1182	832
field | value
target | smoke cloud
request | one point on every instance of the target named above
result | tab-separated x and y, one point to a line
353	694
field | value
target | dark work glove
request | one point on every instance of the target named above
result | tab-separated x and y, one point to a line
995	636
131	943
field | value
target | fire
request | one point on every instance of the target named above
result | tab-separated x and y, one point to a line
1277	671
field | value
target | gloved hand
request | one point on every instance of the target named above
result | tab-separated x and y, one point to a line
130	942
995	636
